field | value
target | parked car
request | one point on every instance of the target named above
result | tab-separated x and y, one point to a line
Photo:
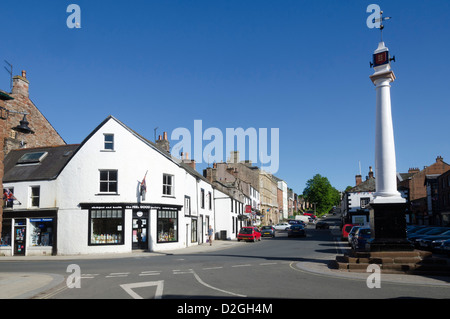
360	238
310	214
410	229
296	230
249	233
445	247
351	233
282	226
268	231
425	232
322	225
345	231
432	242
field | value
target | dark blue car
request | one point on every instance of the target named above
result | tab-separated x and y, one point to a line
360	238
429	231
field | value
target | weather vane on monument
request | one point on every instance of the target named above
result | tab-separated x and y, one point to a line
375	20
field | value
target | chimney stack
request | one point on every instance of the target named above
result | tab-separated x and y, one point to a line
358	179
21	84
163	143
370	172
189	162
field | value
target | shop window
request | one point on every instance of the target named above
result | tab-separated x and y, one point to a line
168	185
6	233
41	231
109	142
167	226
106	227
35	196
108	181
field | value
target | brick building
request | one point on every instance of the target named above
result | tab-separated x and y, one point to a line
416	185
44	133
443	183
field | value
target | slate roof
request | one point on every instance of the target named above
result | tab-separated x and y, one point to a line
47	169
366	186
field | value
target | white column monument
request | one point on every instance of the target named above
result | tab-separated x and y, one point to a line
385	164
387	209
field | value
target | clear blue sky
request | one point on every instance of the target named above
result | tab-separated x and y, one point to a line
300	66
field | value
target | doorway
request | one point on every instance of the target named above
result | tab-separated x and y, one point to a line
19	237
140	229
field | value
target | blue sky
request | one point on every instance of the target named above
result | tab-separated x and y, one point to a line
300	66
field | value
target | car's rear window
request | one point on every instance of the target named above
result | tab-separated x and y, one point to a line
245	231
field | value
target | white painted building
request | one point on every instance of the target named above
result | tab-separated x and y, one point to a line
89	198
283	186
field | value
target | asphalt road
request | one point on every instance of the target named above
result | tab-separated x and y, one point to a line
265	269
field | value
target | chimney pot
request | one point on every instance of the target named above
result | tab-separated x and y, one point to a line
165	136
24	74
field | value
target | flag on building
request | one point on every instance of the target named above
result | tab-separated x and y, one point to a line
143	187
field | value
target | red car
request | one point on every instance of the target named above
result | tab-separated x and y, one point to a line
249	233
346	229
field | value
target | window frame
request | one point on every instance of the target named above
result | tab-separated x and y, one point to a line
121	220
172	214
33	197
108	181
105	142
168	186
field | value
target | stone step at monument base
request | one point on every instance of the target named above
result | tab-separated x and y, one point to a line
395	262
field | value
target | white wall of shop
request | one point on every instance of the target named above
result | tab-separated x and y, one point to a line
223	215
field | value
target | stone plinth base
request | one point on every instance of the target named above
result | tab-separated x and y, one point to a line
394	262
388	227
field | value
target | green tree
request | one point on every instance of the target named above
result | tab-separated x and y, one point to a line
319	190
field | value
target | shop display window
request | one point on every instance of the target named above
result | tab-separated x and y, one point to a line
106	227
41	232
167	226
6	233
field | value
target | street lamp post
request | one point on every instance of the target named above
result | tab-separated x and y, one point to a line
21	128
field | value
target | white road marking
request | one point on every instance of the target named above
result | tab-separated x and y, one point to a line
117	274
246	265
211	287
159	288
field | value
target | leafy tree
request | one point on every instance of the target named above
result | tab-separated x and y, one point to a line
319	190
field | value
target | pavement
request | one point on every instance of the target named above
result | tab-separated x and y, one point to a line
28	285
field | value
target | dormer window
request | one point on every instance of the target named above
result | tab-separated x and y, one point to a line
109	142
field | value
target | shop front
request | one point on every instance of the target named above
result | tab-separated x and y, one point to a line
125	227
30	233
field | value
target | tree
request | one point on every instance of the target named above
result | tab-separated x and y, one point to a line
319	190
